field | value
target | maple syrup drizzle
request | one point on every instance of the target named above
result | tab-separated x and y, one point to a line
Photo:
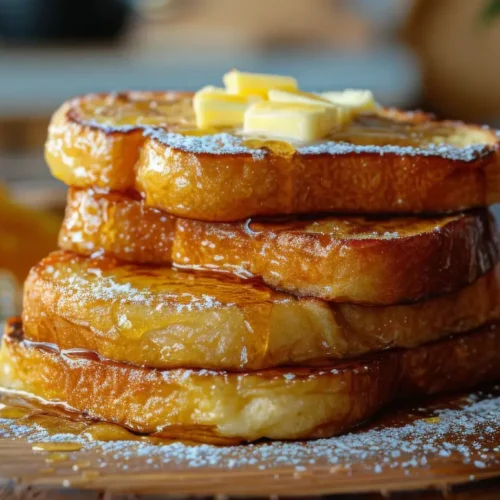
109	432
81	464
56	420
13	412
56	456
280	148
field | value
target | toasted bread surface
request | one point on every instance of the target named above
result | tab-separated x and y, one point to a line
226	407
392	162
355	259
95	140
355	179
160	317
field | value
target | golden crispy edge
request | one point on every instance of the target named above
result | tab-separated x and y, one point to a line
342	395
237	327
440	259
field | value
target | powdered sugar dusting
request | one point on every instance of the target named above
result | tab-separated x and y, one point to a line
467	154
225	143
219	144
158	115
109	129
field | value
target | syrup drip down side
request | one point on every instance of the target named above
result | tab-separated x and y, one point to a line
164	318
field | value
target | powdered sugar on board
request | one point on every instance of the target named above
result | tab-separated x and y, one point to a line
465	432
410	446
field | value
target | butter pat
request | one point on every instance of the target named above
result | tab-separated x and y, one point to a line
258	84
343	113
295	121
214	107
297	97
357	101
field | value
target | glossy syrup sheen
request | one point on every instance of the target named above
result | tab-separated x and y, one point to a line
57	419
175	112
344	258
86	208
137	109
201	405
192	290
353	227
31	415
160	317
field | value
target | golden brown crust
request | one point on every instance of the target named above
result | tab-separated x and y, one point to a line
165	318
230	188
353	259
452	365
96	140
82	151
222	407
118	225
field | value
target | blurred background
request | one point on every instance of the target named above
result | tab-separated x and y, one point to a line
442	56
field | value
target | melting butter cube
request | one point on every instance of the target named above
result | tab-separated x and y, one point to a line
276	95
357	101
343	112
237	82
214	107
295	121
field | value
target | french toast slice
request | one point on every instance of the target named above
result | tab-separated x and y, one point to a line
160	317
95	140
387	162
354	259
223	408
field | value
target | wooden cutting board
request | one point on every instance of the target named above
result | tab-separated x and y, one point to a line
449	449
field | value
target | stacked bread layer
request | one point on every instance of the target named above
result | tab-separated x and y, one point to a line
120	142
227	407
282	328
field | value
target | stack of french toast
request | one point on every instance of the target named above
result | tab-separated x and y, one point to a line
255	261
